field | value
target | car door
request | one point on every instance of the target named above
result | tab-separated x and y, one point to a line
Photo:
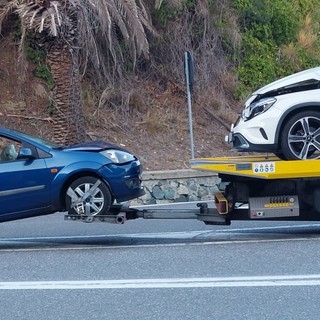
25	187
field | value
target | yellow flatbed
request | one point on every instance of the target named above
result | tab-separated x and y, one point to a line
262	167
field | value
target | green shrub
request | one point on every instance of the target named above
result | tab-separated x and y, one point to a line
169	11
278	38
42	70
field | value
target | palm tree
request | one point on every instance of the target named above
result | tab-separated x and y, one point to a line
75	33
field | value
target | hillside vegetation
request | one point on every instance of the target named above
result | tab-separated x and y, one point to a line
237	46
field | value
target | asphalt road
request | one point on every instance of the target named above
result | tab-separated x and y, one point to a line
173	269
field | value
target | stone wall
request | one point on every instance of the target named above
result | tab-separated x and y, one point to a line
177	186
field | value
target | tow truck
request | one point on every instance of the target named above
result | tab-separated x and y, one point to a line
259	187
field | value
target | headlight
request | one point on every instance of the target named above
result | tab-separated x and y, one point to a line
257	107
118	156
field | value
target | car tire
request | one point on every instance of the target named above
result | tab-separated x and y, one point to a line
97	201
300	138
280	155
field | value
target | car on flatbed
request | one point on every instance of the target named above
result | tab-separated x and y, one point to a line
39	177
282	118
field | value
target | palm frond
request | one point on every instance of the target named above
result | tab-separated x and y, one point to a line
8	9
158	4
41	18
99	28
130	12
22	61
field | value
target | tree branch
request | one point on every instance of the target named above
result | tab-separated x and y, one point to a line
49	119
223	123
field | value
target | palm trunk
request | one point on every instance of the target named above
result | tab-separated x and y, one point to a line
68	116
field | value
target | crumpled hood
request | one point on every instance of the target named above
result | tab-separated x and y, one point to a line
97	145
309	74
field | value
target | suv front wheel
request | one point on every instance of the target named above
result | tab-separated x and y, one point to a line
300	138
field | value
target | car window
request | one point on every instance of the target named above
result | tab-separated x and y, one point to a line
9	149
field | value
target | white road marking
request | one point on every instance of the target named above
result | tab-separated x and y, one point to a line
214	282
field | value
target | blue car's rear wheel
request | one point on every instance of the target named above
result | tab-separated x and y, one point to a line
88	196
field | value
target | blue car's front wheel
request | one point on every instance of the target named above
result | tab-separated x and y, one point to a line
88	196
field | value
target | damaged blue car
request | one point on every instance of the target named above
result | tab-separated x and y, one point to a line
39	177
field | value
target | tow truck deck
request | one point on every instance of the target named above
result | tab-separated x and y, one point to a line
252	188
263	167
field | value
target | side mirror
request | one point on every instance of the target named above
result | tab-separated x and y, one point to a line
25	153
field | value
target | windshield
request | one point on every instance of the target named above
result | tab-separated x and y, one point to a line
42	141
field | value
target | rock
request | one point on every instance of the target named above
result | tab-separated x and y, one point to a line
157	192
169	193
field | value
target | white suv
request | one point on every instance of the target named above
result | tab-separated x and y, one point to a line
282	118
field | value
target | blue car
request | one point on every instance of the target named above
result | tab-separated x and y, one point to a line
39	177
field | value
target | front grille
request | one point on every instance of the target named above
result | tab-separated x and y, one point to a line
133	183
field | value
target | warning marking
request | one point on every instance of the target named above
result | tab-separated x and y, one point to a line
264	167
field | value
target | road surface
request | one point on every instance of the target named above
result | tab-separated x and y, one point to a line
173	269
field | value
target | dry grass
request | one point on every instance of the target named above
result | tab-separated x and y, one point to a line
289	51
159	133
307	37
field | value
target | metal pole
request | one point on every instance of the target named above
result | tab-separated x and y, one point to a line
186	57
